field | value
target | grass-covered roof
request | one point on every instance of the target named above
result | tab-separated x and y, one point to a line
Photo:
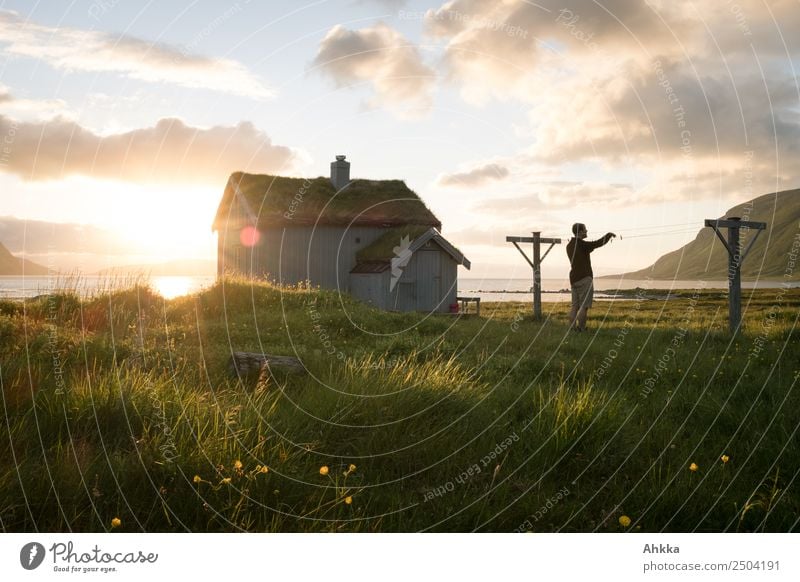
277	200
416	235
382	249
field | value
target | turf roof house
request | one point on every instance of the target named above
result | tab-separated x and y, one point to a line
374	239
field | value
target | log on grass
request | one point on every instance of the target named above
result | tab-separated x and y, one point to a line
250	364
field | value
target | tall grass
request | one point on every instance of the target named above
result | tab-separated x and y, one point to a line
120	405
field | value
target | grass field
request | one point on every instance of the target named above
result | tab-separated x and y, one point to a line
120	407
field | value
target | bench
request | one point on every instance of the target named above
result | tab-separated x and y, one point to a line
465	301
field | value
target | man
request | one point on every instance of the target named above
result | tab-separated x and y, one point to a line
580	274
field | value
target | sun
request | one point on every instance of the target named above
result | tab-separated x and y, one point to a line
171	287
167	223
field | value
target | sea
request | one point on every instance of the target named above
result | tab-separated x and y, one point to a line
553	290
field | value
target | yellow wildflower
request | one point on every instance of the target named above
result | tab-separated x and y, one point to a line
226	480
348	500
237	465
693	467
264	469
116	522
725	458
323	470
351	468
197	479
624	520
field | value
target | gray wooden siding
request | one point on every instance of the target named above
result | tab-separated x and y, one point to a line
324	255
371	288
429	279
436	279
427	283
449	285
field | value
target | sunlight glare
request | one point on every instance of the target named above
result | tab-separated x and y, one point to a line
171	287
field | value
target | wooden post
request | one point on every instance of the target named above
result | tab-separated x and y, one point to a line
735	259
536	263
537	276
734	278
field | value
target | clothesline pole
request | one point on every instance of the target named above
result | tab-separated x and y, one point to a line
536	264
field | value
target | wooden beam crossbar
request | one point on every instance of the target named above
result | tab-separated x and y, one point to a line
522	253
735	259
548	250
535	263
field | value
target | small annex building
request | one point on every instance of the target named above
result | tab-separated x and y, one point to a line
374	239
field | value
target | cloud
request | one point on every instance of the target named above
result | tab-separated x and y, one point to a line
37	237
665	107
29	108
493	229
504	49
691	132
94	51
170	151
685	98
475	177
383	58
387	3
561	194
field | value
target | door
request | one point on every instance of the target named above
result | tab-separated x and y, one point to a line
429	279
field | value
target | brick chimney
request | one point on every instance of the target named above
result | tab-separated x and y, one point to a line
340	173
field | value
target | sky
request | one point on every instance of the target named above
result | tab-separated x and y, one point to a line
125	118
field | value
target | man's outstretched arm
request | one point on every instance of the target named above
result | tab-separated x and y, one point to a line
593	244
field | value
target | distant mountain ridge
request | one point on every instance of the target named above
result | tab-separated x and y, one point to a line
14	266
706	259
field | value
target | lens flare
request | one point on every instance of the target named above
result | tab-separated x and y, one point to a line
249	236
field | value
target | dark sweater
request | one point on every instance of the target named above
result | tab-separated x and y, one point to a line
578	251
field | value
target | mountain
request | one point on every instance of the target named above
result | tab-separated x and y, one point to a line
11	265
706	259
